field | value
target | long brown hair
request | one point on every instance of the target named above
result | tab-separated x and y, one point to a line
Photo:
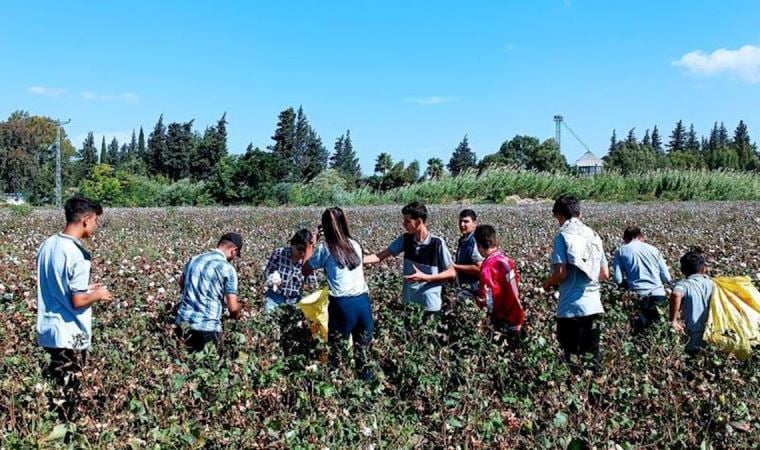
337	237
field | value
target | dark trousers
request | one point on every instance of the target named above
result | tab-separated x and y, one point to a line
580	336
65	371
351	316
649	313
196	340
512	335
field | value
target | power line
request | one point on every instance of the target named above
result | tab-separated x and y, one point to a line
58	182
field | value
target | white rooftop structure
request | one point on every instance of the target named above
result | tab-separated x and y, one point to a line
589	164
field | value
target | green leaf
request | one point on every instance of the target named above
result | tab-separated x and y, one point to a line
560	419
58	433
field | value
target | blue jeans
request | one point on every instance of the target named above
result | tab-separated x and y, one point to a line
351	316
273	300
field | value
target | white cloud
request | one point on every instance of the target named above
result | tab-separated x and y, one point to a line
432	100
128	97
45	91
743	63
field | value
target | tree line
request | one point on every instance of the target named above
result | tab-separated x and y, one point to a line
177	164
684	150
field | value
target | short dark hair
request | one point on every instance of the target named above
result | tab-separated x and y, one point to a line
78	207
631	232
468	213
485	236
301	238
692	262
567	206
415	210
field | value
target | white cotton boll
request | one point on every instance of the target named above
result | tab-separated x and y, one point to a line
274	280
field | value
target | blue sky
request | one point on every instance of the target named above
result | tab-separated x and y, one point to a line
406	77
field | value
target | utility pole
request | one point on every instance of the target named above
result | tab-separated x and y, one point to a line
58	183
558	131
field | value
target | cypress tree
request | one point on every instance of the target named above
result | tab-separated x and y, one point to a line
103	152
657	140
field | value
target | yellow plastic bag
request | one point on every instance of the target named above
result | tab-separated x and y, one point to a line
314	307
733	320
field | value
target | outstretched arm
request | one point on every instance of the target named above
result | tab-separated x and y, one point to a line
377	257
471	269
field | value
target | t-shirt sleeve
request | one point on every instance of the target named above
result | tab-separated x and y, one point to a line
79	276
397	246
319	257
604	262
476	256
230	281
664	272
444	257
679	287
559	253
617	268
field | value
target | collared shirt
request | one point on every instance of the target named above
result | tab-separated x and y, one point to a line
208	278
579	296
63	269
292	278
341	281
431	256
467	254
642	267
696	291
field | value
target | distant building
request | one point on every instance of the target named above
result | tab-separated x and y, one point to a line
14	198
589	164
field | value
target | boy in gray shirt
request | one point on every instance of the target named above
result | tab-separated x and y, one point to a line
427	261
691	296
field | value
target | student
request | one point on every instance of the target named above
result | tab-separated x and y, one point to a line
641	268
498	290
427	261
468	260
285	279
578	265
64	313
349	307
691	297
208	282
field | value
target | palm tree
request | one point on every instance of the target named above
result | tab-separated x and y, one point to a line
434	168
383	163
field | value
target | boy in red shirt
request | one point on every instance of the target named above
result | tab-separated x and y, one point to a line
498	285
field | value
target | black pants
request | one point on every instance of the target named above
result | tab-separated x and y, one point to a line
196	340
65	371
648	314
580	336
507	333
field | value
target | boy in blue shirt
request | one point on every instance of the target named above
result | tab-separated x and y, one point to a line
64	316
641	268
